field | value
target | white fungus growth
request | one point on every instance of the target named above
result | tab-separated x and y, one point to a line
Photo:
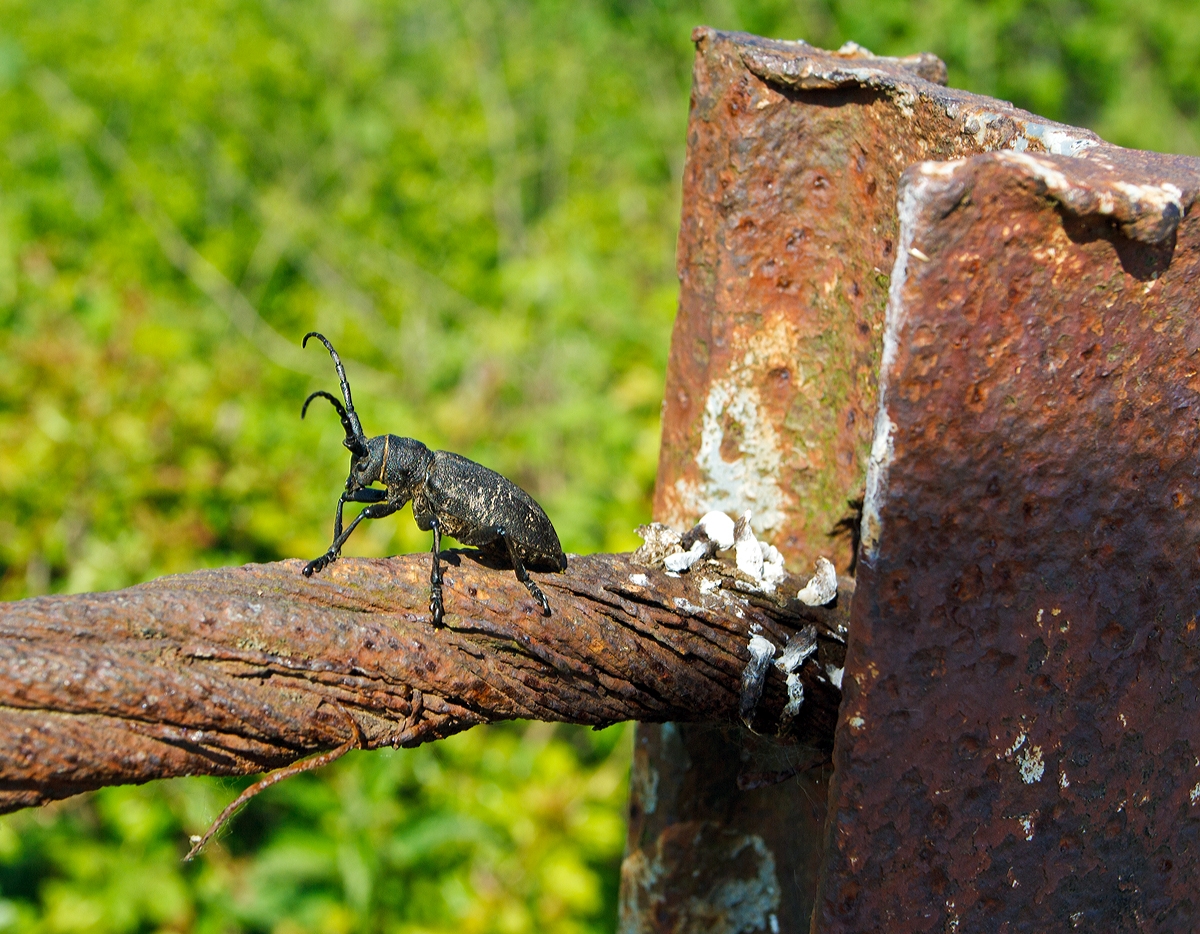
761	650
760	564
747	550
683	560
795	689
799	647
773	571
680	553
719	529
754	676
822	589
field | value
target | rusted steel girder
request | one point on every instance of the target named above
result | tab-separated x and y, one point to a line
789	238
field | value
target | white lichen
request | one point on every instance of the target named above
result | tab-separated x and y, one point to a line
1017	744
754	475
1059	141
1031	765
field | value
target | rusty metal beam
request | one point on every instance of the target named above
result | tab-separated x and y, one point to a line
789	244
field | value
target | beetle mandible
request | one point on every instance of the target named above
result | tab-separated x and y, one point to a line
450	494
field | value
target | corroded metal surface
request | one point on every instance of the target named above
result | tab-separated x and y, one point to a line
708	848
787	233
1019	744
787	246
238	670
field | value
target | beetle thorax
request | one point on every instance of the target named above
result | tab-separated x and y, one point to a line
405	463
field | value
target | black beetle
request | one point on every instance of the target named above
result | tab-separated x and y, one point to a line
450	494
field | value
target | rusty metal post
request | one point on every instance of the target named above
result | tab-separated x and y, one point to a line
789	238
1019	742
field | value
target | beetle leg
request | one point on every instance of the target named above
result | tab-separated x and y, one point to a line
435	576
522	574
337	517
366	495
374	511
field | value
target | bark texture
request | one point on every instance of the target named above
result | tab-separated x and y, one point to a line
240	670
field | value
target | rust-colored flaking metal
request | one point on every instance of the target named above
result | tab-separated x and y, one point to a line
238	670
788	242
1019	743
786	245
787	235
724	830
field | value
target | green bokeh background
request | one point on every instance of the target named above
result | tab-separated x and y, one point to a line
478	202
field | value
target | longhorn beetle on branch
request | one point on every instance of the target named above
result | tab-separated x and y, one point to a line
450	494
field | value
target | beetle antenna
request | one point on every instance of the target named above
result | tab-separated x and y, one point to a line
355	440
358	448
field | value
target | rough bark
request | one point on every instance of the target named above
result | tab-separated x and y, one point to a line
239	670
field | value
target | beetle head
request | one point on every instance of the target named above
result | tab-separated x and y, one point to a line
367	468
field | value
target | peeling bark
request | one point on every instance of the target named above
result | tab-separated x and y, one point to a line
240	670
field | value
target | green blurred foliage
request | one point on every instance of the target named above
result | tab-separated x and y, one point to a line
477	201
507	830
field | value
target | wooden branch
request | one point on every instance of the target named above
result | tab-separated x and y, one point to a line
240	670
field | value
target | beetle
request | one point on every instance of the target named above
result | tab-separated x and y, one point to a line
450	494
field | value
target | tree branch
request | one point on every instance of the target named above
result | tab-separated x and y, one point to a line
240	670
